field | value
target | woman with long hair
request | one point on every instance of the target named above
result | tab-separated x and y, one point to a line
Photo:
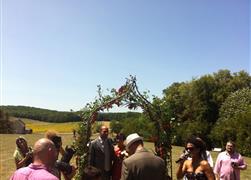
196	167
23	154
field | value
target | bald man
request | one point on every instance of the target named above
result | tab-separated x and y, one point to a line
101	153
45	156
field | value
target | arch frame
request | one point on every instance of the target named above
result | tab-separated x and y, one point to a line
127	95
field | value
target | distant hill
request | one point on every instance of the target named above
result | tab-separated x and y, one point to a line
41	114
47	115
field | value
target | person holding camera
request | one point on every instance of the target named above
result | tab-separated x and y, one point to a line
23	154
63	165
229	163
196	167
45	156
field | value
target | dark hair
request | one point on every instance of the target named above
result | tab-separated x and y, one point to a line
91	173
57	140
19	139
120	136
198	143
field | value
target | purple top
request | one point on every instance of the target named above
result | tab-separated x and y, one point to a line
224	168
33	172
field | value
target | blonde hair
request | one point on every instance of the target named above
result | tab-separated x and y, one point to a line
50	134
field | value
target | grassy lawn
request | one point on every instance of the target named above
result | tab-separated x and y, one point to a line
7	146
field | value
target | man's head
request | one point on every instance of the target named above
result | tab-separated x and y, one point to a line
104	132
120	138
55	138
132	142
91	173
230	147
45	152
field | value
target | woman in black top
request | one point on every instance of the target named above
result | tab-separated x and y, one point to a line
195	168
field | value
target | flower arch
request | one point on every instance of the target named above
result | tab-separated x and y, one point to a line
127	95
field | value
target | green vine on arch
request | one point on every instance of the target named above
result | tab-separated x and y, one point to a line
127	95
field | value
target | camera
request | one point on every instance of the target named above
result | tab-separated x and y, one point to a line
234	164
57	141
29	154
64	164
69	152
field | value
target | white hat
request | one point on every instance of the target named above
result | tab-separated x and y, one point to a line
131	139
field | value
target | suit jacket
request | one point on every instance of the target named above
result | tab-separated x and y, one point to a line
97	154
143	165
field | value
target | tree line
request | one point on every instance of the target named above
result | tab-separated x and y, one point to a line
41	114
58	116
215	107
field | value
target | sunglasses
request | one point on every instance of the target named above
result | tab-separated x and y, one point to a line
190	148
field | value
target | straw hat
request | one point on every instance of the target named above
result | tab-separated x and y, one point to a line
131	139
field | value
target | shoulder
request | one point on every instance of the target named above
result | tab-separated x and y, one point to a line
110	141
144	155
43	174
188	161
17	154
23	171
238	155
204	163
221	154
94	141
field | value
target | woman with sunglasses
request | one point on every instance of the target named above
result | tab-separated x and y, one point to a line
196	167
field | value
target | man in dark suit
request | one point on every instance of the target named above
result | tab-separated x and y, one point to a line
101	153
141	164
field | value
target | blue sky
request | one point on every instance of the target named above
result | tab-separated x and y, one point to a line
54	53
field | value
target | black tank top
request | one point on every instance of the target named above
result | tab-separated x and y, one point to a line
195	176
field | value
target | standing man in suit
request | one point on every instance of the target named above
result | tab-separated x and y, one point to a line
141	164
101	153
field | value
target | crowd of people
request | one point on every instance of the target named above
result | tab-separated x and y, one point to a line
126	158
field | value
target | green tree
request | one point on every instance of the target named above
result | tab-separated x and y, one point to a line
116	126
234	121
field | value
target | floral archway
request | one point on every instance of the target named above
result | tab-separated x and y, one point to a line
127	95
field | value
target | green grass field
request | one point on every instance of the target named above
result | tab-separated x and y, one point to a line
7	147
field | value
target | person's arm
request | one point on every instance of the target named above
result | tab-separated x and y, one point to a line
61	150
217	168
181	169
210	159
242	164
91	154
70	176
208	170
21	162
242	167
125	173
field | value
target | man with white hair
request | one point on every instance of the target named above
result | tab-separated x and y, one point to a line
45	156
141	164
